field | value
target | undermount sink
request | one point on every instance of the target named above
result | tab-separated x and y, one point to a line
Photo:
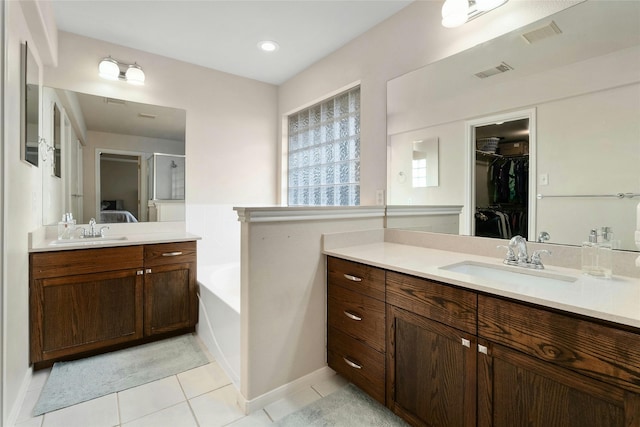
89	240
507	274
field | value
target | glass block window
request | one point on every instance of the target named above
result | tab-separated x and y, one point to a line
324	153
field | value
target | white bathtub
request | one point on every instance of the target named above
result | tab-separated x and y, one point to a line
219	324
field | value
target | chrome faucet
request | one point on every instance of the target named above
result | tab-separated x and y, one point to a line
519	244
92	231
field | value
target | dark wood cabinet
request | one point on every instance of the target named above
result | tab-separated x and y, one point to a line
170	287
431	366
356	325
543	368
89	300
455	357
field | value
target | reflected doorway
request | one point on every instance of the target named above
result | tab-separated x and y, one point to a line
120	188
502	158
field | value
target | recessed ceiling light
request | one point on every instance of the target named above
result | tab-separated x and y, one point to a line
268	46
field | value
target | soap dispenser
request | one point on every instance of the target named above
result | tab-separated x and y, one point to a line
596	256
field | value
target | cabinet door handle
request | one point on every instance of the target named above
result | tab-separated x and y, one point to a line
352	364
352	316
172	253
483	349
148	271
352	278
140	272
466	343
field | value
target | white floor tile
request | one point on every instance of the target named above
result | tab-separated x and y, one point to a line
100	412
178	415
203	379
33	422
149	398
217	408
328	386
255	419
291	403
38	379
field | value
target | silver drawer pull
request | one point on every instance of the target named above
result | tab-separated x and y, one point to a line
172	253
352	316
483	349
466	343
352	278
352	364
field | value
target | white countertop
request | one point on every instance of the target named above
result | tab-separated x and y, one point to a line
616	299
48	245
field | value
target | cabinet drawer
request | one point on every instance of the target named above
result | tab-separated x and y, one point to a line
445	304
357	362
357	277
603	352
169	253
83	261
357	315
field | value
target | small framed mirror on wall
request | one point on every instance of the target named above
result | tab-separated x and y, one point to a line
30	112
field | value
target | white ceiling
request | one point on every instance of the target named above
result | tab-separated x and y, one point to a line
223	35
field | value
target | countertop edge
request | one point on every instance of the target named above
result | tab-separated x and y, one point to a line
132	240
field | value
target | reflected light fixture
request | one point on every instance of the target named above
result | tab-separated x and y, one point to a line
111	69
457	12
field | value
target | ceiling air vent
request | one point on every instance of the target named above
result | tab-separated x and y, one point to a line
502	68
549	30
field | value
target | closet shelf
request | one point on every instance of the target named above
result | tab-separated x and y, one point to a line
499	156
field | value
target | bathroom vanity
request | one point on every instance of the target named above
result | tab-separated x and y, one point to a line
87	300
461	351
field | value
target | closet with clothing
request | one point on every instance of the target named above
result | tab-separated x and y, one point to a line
501	184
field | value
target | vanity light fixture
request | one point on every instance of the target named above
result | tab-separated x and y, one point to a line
268	46
458	12
111	69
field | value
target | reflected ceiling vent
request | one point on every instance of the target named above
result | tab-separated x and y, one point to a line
114	101
147	116
541	33
502	68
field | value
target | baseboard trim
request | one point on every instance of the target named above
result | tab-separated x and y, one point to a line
14	413
249	406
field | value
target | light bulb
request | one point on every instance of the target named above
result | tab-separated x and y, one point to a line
454	13
268	46
135	75
108	69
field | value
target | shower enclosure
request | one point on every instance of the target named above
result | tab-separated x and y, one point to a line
166	183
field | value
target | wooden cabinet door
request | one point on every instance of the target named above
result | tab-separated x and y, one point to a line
431	371
171	300
518	390
85	312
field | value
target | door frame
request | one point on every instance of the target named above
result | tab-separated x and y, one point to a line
468	223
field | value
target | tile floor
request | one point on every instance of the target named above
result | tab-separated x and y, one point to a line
199	397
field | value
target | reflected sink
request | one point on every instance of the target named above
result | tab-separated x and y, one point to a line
508	275
89	241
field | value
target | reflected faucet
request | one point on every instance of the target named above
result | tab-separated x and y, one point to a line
520	243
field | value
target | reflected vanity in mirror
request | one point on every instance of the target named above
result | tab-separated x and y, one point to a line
582	85
30	112
107	151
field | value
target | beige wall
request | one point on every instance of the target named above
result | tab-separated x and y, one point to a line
22	214
231	120
408	40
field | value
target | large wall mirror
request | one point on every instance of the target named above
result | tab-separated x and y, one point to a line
106	159
578	74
